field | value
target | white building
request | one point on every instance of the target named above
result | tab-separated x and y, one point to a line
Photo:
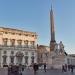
71	59
17	47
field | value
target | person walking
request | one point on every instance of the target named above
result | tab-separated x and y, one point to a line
63	68
35	67
45	67
71	68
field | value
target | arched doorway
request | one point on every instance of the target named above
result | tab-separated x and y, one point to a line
19	57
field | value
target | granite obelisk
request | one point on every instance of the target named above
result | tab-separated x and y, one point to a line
52	41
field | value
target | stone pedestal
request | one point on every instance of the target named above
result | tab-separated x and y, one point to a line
56	61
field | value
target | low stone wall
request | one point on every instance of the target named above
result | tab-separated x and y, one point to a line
4	71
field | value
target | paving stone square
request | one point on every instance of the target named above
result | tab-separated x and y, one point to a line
48	72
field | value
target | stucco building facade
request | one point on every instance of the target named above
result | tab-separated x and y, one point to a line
43	53
71	59
17	47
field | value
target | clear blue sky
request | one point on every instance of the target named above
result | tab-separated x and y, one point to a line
33	15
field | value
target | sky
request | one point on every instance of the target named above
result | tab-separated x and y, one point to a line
33	15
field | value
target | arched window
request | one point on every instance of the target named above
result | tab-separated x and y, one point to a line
12	59
19	57
4	59
26	59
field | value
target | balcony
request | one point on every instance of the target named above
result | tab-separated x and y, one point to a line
21	47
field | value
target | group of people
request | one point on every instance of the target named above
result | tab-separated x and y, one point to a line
15	69
18	69
36	67
66	68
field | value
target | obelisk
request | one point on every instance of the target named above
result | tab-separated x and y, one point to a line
52	41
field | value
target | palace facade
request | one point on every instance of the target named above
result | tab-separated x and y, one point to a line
43	53
17	47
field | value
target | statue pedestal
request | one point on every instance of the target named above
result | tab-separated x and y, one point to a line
56	61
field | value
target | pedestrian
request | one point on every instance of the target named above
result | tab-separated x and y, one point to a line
63	68
71	68
35	67
22	68
9	70
20	72
45	67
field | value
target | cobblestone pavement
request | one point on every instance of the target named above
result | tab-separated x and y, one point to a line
48	72
42	72
3	71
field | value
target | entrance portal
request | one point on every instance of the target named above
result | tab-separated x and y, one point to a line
19	57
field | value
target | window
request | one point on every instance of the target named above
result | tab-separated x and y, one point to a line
5	40
68	61
32	59
41	55
12	52
32	35
4	59
26	53
20	34
6	32
5	52
19	42
12	59
32	53
12	42
13	33
32	43
26	59
26	43
26	34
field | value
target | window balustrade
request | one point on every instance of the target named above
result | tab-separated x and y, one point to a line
18	47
